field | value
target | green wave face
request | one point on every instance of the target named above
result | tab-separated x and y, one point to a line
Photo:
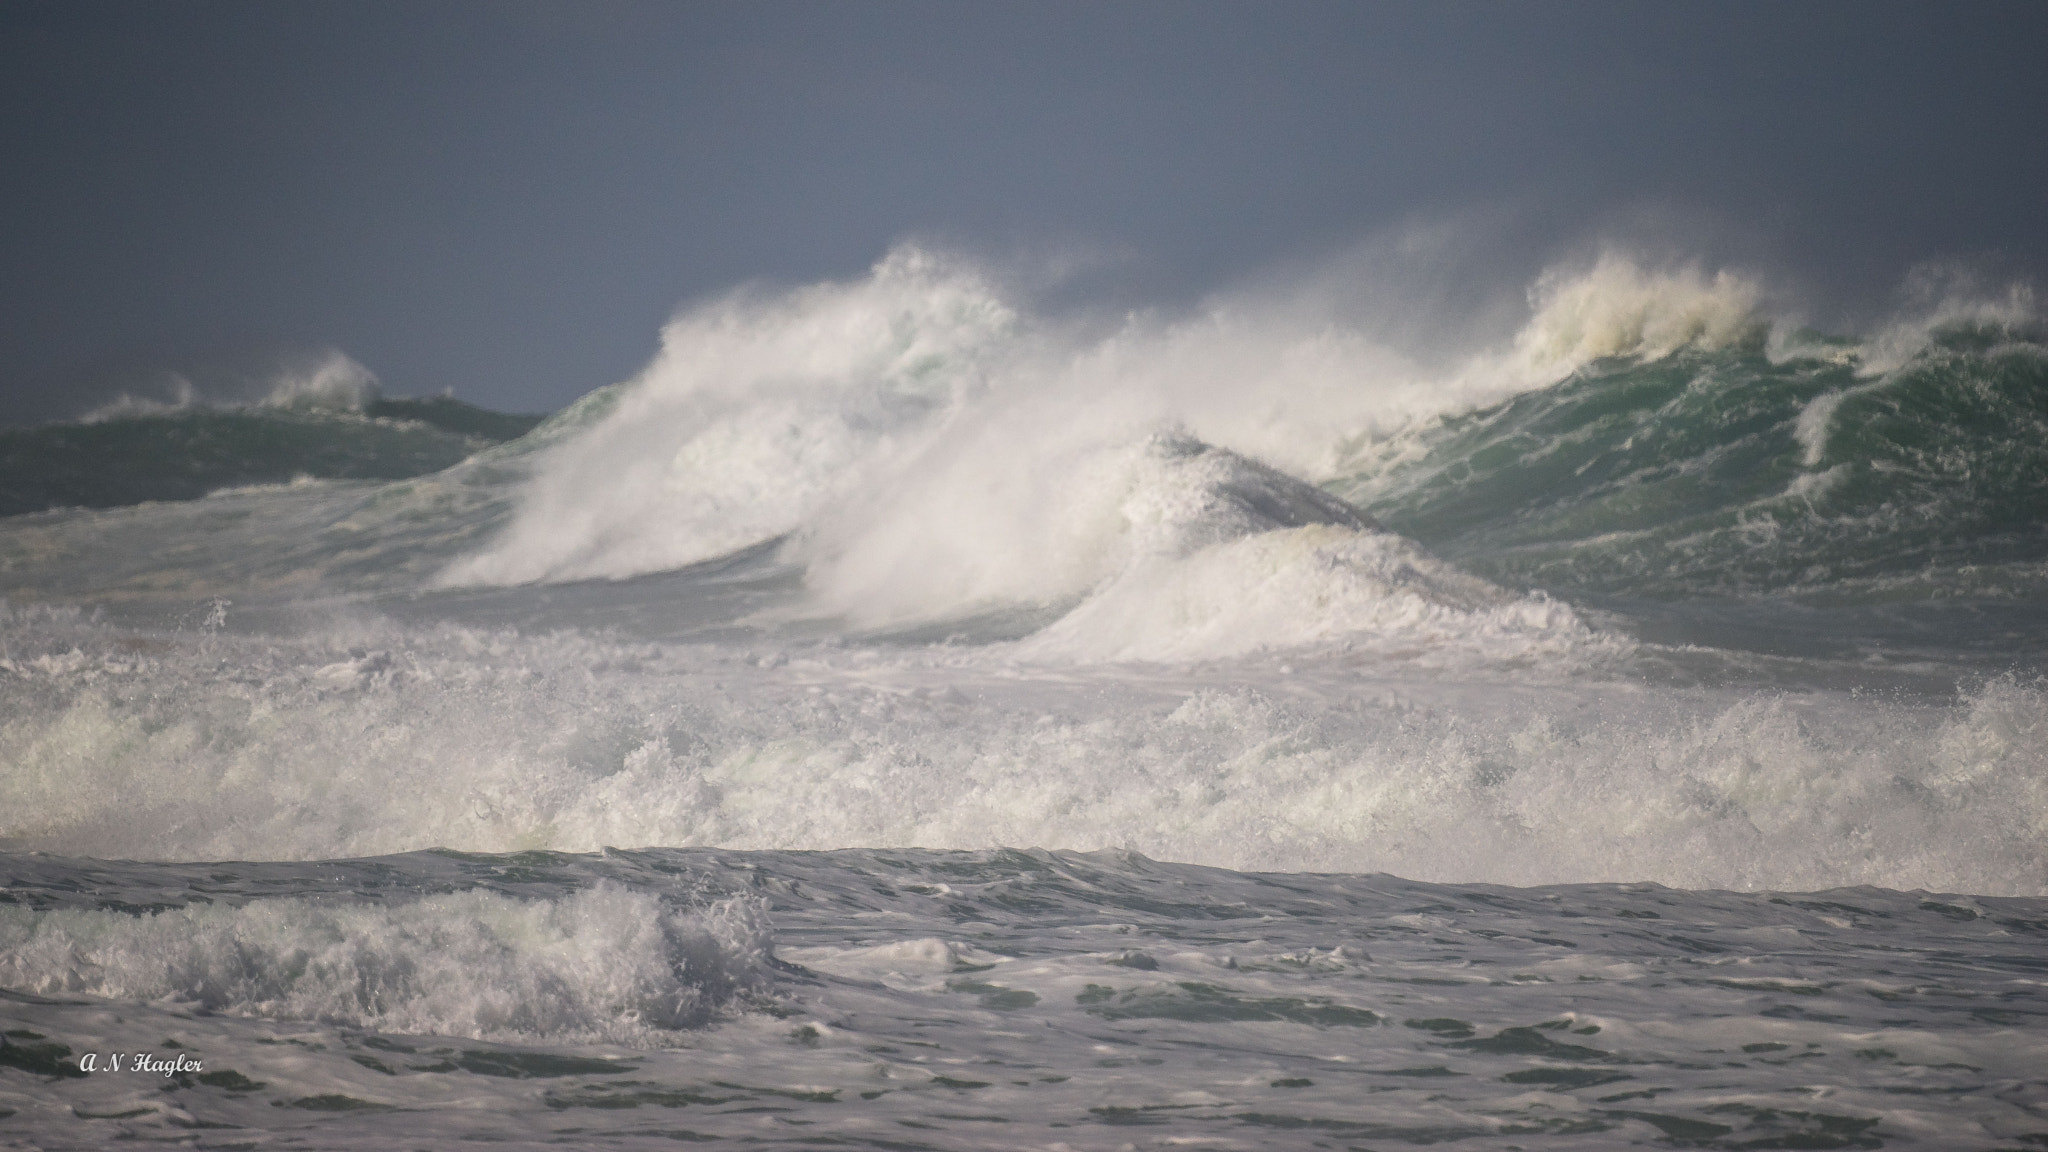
1727	472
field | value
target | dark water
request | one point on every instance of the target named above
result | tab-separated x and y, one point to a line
188	454
1008	999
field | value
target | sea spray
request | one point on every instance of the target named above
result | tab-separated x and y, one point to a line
757	412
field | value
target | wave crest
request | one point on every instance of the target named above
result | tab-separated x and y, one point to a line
1618	308
757	411
329	381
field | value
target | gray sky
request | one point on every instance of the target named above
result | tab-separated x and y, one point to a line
508	198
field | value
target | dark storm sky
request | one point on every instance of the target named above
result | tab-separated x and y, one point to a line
508	198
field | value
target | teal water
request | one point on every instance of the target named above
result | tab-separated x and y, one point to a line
187	454
1732	473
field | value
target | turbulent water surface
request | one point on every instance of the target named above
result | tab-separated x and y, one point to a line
899	720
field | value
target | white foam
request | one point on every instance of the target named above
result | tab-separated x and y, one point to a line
330	382
327	381
1619	308
1314	585
1949	300
1426	761
923	963
183	395
1047	525
1814	423
606	964
1811	486
757	411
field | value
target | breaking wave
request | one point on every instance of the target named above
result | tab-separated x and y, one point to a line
370	741
607	964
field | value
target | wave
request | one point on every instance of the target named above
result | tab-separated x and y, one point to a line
1245	586
757	411
1371	592
1617	308
928	450
923	448
328	421
330	381
369	740
605	965
1820	468
1162	550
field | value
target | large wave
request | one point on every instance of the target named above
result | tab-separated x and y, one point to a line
1359	579
1910	465
928	450
925	448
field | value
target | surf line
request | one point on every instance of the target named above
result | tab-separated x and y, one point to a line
139	1062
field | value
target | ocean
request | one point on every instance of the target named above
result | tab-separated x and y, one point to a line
901	718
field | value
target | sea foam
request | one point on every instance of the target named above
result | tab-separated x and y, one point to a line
1422	761
606	964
